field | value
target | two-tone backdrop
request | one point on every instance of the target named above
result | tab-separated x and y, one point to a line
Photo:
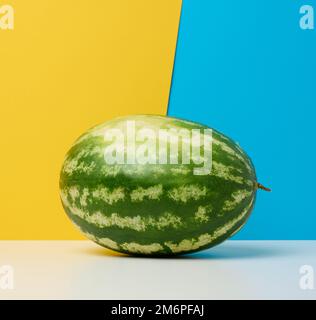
246	68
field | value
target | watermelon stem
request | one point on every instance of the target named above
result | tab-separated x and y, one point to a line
262	187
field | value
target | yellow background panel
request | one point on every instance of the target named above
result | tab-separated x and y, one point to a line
67	66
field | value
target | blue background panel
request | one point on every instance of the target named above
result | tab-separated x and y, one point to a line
247	69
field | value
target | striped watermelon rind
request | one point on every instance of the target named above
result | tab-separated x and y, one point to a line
156	210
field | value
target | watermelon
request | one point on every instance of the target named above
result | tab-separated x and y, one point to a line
157	186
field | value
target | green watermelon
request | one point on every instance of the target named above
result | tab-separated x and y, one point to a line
156	185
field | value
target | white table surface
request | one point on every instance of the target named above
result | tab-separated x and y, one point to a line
83	270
